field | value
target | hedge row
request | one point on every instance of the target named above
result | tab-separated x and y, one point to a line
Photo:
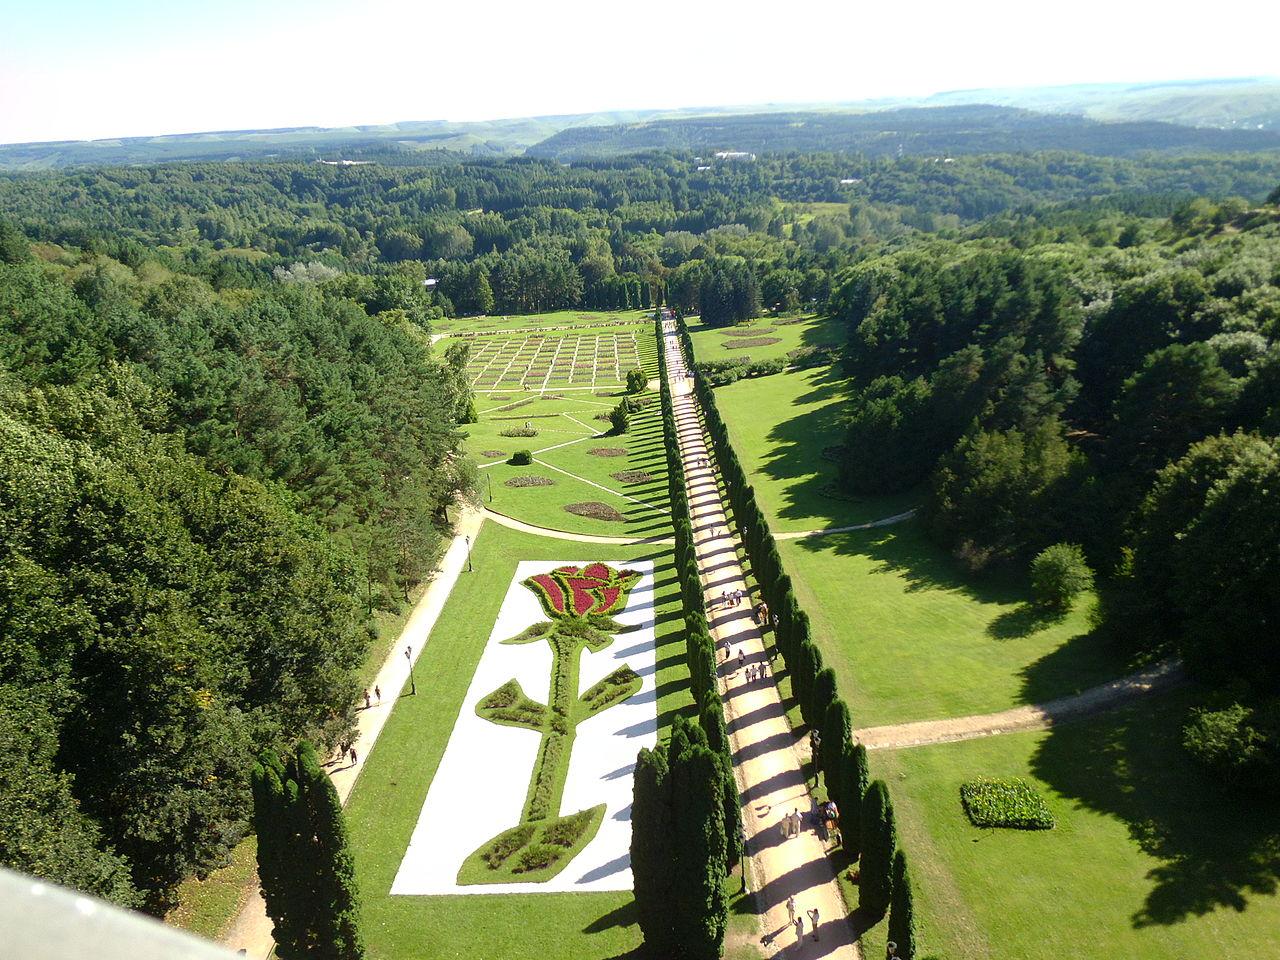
866	811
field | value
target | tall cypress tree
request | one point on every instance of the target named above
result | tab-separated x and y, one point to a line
879	838
836	729
856	780
304	862
651	850
902	910
712	720
821	697
698	869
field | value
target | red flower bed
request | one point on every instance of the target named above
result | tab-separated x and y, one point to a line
594	590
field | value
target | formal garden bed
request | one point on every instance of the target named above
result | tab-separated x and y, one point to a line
608	451
595	510
632	476
531	480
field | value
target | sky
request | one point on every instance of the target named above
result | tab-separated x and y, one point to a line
89	69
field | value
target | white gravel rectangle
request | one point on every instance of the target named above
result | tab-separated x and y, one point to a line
479	788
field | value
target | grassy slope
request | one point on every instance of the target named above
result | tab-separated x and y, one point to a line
779	425
912	639
388	797
1148	859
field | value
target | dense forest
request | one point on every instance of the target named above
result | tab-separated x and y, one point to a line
204	495
227	440
1042	388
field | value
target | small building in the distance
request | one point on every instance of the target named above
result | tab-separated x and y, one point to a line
735	156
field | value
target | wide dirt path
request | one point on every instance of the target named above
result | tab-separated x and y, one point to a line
1036	716
767	758
251	931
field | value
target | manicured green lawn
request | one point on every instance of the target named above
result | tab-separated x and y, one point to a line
911	638
572	468
1148	860
539	321
711	343
385	804
779	426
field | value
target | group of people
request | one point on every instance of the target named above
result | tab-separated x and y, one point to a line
797	921
731	598
377	692
791	824
762	614
757	671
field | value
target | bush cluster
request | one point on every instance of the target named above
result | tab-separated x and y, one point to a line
521	458
518	432
1005	802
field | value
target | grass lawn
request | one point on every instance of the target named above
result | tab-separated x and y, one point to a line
576	474
385	804
791	332
1148	859
911	638
779	426
539	321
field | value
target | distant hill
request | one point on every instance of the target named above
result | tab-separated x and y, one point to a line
1229	105
944	130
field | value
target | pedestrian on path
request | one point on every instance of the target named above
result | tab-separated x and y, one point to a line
353	756
366	700
791	908
799	925
377	692
742	659
795	822
813	918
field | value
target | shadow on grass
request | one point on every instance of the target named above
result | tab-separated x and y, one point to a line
1216	847
1023	620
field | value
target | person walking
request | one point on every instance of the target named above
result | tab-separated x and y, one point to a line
813	918
353	756
799	925
366	699
742	659
791	908
377	692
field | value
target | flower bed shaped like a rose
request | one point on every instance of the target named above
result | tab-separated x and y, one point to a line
595	590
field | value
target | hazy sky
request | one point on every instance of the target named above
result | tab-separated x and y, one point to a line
81	69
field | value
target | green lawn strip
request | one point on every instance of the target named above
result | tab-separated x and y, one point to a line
779	426
388	797
716	343
1148	859
207	907
912	638
537	321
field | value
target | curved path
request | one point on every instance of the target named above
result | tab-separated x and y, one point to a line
1039	716
768	761
523	527
869	525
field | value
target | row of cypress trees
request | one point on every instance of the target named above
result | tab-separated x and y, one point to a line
866	810
678	846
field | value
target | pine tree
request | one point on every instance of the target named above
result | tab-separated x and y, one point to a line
879	838
304	864
902	911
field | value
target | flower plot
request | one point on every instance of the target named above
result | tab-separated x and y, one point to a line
533	791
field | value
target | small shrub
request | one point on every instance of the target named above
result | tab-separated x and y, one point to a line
521	458
1059	574
620	418
518	432
637	380
537	857
1005	802
508	843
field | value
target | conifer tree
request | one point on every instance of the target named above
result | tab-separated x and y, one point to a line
651	849
856	780
879	838
304	864
902	910
836	729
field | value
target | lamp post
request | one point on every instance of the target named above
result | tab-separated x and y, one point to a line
468	541
742	847
413	687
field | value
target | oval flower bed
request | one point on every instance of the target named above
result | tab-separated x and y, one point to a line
595	510
1005	802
